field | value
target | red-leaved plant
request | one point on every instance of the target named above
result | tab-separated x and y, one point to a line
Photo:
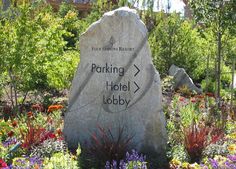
197	137
32	136
35	135
106	145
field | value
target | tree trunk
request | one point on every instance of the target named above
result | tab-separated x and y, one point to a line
219	44
6	4
232	86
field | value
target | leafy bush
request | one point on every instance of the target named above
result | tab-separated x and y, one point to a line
172	41
33	57
65	7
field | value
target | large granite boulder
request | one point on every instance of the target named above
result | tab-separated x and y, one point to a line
116	85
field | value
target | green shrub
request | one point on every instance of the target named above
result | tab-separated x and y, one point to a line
61	161
172	41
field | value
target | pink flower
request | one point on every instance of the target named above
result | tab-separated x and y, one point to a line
193	100
3	164
181	99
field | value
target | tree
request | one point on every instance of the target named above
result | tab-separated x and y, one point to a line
219	14
172	41
32	55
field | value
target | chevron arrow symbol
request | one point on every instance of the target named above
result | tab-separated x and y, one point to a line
138	70
137	87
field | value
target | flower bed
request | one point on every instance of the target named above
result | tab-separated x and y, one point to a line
196	140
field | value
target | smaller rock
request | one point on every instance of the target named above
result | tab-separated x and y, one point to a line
181	78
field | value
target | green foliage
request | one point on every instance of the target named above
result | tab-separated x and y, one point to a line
60	72
33	56
208	85
136	164
167	85
213	12
178	152
172	42
64	8
61	161
188	114
3	151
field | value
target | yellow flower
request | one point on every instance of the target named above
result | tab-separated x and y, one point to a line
70	15
232	135
175	162
232	148
185	165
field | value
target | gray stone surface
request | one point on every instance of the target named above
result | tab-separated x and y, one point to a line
181	78
116	85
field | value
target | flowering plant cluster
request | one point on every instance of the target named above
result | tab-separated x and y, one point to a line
133	160
218	162
228	162
198	130
31	141
35	140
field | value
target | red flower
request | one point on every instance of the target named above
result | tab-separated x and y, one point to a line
59	132
60	139
54	107
30	114
200	96
210	94
48	135
37	107
14	123
24	145
2	164
10	134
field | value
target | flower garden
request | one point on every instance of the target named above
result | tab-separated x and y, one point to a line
34	139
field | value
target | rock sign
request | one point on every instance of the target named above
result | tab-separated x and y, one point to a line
116	85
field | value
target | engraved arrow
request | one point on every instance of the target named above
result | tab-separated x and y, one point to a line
137	71
137	87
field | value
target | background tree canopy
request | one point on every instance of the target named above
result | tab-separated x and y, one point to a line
40	50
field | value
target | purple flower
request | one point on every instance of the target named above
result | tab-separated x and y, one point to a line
232	157
203	166
135	156
35	160
122	165
107	166
114	164
214	163
10	141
